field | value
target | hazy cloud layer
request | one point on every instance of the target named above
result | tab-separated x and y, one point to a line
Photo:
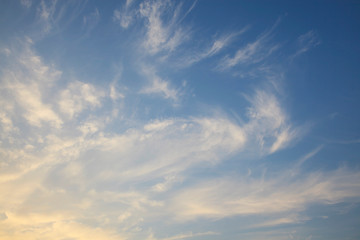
127	154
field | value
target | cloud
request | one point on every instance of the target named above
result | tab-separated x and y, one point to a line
79	96
278	234
254	52
91	21
53	17
36	112
66	166
67	229
114	93
123	18
216	47
191	235
25	81
218	198
305	42
168	182
158	86
174	146
268	122
78	165
26	3
82	170
46	12
162	35
125	15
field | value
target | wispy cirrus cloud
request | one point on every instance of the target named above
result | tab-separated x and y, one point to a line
175	144
91	21
24	84
217	198
269	123
253	52
305	42
185	236
159	86
26	3
79	96
63	152
162	35
87	169
94	159
125	15
54	17
215	48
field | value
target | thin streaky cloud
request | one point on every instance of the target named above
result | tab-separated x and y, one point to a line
269	123
309	155
79	96
26	3
287	219
189	10
305	42
146	120
253	52
215	48
162	35
159	86
124	17
91	21
190	235
217	199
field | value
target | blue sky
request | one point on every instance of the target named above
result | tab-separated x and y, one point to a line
164	120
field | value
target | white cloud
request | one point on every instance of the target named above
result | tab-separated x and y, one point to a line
158	125
36	112
283	138
168	147
6	51
162	35
28	82
216	47
168	182
254	52
114	93
218	198
91	20
78	177
79	96
49	164
53	16
26	3
37	225
46	12
6	122
305	42
159	86
190	235
268	122
123	17
221	43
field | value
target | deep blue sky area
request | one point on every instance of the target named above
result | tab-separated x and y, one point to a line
166	120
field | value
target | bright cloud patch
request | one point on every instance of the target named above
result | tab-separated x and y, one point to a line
163	120
77	97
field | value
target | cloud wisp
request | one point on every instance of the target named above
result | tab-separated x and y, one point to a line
285	194
160	35
254	52
155	152
118	148
305	42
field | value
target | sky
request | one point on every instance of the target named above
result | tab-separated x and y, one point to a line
167	120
